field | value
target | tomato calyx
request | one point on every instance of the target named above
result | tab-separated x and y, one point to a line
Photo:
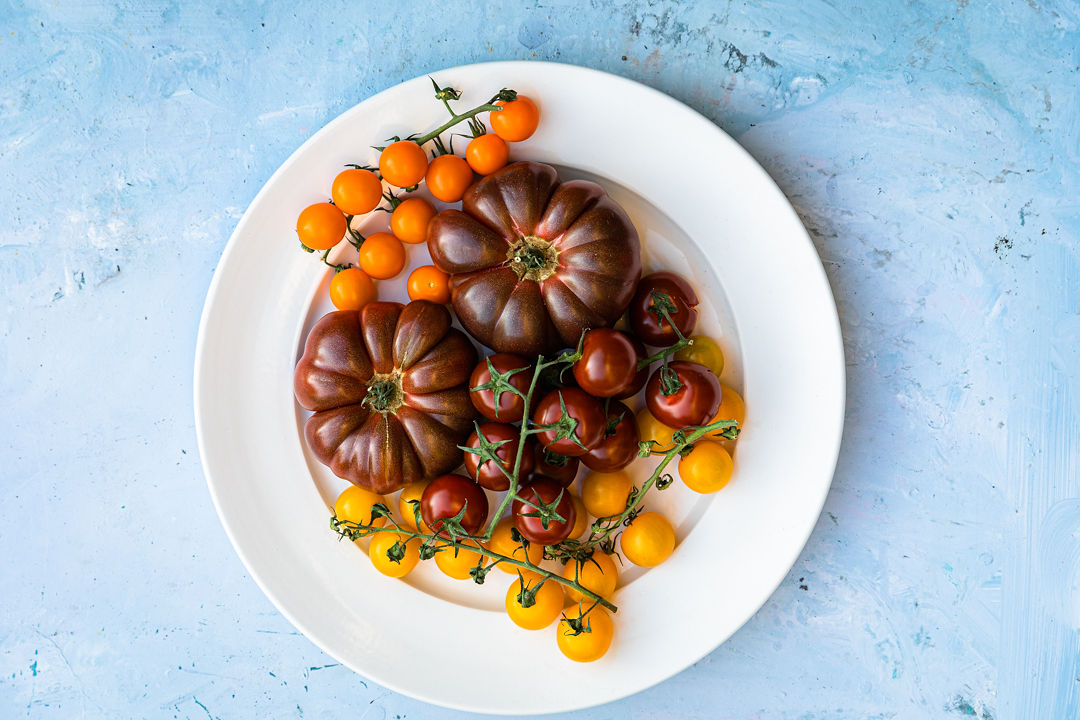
526	597
532	258
487	452
564	427
396	552
546	513
384	393
499	383
669	380
580	624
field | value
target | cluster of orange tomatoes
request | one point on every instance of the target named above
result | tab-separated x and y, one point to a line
405	164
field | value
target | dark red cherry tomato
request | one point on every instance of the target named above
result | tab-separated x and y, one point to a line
619	446
510	407
608	363
445	497
560	468
488	473
694	403
644	319
527	518
581	427
642	375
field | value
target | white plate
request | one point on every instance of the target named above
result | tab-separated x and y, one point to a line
704	208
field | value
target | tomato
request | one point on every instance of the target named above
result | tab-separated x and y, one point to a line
642	375
649	428
487	153
488	473
321	226
598	573
447	495
645	322
382	255
692	404
517	120
381	547
731	407
412	491
707	468
539	493
581	518
457	562
354	505
356	191
507	407
608	363
586	646
649	540
605	494
619	446
351	289
703	351
546	603
582	426
502	541
428	282
410	219
403	163
448	177
560	468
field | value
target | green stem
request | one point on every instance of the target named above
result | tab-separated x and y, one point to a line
679	345
454	120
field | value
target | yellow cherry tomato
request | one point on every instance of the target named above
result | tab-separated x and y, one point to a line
649	540
581	518
604	494
649	428
351	289
383	546
412	491
731	407
456	562
707	468
502	542
597	574
356	191
705	352
355	503
381	255
410	219
590	645
547	603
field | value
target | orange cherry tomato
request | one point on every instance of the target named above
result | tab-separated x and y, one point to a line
587	646
517	120
321	226
707	468
356	191
403	163
429	283
410	219
598	574
448	177
649	540
487	153
382	255
351	289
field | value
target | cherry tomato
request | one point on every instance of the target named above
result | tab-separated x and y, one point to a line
705	352
508	407
583	423
645	322
642	375
581	518
619	446
545	603
321	226
707	468
488	473
445	497
586	646
598	574
560	468
403	163
502	542
487	153
383	546
731	407
605	494
382	255
410	219
428	282
649	540
517	120
351	289
693	403
457	562
356	191
448	177
608	363
354	505
412	491
543	492
649	428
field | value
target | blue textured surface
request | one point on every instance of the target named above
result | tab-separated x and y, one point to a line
932	149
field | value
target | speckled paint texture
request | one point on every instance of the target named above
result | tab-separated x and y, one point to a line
931	148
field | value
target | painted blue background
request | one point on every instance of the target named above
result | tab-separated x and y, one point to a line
932	149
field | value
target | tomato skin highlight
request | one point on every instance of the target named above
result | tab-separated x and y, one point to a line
382	256
531	528
356	191
409	220
608	363
487	153
517	120
648	541
446	496
646	325
582	407
694	403
352	289
619	448
403	163
321	226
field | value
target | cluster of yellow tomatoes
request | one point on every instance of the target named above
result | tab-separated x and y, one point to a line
405	164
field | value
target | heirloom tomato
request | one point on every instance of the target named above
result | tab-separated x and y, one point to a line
694	402
668	291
